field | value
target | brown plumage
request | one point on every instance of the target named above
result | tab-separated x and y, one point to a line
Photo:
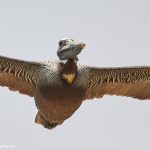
60	88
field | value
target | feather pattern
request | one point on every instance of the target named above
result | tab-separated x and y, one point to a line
19	75
130	81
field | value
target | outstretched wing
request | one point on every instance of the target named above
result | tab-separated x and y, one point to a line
132	82
19	75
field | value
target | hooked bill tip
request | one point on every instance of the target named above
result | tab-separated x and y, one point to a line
80	45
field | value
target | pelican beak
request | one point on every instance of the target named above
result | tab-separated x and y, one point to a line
80	45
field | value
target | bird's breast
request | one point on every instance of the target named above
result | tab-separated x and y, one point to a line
58	102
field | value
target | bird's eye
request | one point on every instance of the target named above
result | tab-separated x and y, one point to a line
60	43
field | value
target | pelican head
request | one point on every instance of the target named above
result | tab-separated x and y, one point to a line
68	49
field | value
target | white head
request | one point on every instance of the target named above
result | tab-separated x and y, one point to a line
68	49
65	41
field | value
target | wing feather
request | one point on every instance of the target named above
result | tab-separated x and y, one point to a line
130	81
19	75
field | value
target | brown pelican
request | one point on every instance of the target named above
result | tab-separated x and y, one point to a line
59	88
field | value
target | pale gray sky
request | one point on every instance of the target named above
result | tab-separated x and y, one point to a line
116	32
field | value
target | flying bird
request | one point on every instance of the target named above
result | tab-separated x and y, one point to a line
60	87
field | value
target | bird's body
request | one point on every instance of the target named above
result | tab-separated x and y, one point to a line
59	88
54	106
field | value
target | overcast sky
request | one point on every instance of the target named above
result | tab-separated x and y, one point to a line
116	33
